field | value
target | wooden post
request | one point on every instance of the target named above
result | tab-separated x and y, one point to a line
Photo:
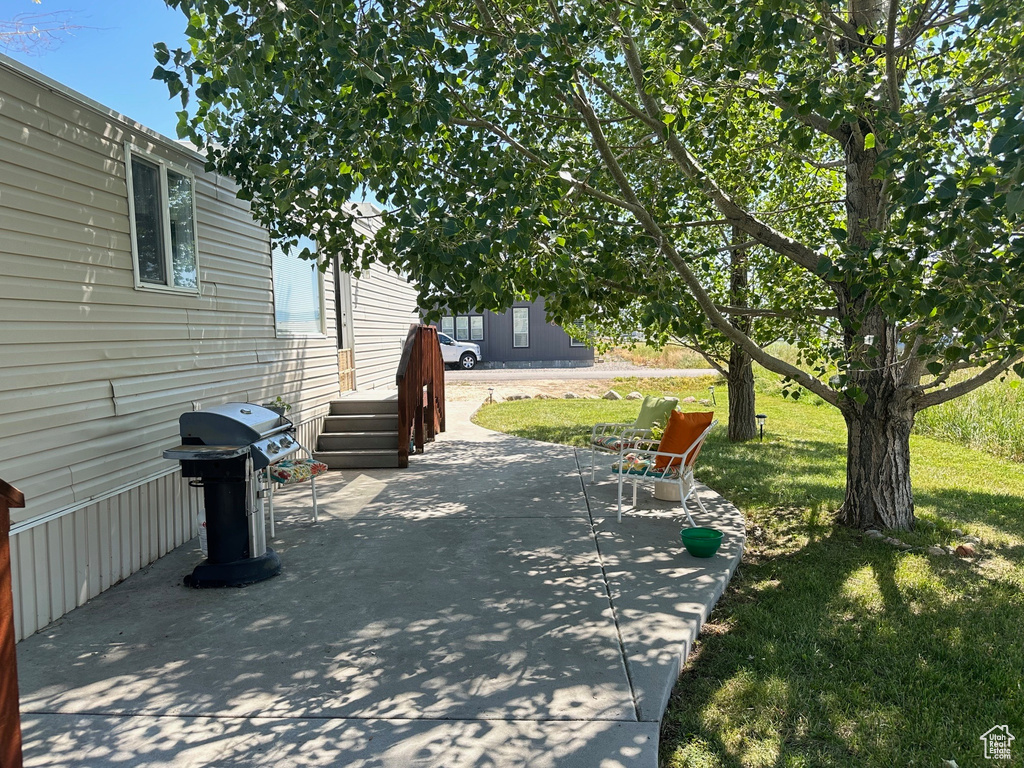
10	718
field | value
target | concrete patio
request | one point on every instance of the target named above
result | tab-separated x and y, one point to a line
481	608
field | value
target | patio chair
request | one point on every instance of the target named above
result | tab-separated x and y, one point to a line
661	465
291	472
612	437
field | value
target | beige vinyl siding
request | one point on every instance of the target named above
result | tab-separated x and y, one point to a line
94	373
62	562
383	308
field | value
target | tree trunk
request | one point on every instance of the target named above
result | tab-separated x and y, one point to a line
740	379
740	376
878	492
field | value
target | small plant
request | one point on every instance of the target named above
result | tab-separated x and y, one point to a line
278	404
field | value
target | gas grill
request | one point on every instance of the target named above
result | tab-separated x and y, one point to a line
222	449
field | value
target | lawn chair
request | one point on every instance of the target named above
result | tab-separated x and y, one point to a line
613	437
673	467
291	472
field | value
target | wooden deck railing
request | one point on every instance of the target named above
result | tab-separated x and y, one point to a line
10	719
420	381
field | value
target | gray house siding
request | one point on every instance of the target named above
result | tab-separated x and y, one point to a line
549	344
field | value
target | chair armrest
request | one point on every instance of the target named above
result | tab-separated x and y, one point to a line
610	426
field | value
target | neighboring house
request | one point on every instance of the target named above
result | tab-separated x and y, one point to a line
134	286
519	338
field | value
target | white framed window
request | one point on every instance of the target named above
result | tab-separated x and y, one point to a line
298	292
162	212
462	328
577	336
476	328
448	326
520	326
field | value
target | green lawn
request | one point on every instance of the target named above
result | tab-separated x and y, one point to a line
830	649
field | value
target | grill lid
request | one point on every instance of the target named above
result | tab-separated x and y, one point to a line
231	424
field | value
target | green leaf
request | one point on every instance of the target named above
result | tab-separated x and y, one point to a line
1015	202
869	141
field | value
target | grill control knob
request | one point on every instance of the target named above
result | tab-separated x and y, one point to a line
286	441
272	448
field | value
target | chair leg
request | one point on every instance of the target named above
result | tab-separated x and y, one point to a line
312	486
696	497
634	493
592	462
620	496
685	494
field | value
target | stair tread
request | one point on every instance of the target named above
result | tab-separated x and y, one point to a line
359	452
362	433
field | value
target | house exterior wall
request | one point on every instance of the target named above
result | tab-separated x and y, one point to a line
384	305
95	373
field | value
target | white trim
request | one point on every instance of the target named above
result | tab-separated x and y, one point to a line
34	522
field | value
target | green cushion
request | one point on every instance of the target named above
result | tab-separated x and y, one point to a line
655	409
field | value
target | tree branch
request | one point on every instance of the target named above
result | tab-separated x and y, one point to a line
665	246
735	214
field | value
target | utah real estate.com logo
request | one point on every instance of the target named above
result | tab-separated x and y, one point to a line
997	742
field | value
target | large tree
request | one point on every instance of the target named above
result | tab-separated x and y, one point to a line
513	144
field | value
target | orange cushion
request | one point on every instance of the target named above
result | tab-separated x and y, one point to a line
682	430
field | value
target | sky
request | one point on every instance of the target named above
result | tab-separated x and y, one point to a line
109	58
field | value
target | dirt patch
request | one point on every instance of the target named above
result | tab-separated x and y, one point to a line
479	392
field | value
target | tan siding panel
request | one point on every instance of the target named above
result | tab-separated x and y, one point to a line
73	323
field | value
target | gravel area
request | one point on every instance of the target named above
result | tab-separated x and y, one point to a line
555	382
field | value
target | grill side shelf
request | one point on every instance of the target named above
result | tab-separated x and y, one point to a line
200	452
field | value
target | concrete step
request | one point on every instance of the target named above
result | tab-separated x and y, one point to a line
361	422
355	406
349	441
372	459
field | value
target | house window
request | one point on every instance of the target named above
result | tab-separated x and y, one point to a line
448	326
298	291
161	204
476	328
521	327
577	336
462	328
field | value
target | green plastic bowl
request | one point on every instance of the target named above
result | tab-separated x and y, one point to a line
701	542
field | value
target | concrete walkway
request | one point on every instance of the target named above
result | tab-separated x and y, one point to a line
481	608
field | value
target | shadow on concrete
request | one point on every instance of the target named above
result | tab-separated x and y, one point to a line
458	613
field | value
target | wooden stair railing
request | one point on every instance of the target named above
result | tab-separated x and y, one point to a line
10	718
420	381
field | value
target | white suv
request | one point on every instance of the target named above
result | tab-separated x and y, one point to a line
461	353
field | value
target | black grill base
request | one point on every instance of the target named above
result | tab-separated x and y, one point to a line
239	573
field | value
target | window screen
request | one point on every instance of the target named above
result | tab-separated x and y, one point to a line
448	326
462	328
521	327
298	302
476	328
